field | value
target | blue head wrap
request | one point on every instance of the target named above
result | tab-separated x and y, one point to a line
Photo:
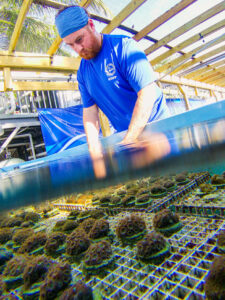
70	20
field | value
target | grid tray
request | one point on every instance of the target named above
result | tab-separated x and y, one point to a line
208	205
157	203
180	276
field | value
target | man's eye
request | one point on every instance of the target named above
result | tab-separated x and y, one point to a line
79	40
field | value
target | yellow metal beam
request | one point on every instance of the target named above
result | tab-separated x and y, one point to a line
183	92
196	91
163	18
172	79
176	62
220	82
104	123
41	86
50	3
19	23
189	42
199	72
187	26
85	3
215	96
7	79
62	85
54	46
43	63
211	80
128	10
212	73
198	59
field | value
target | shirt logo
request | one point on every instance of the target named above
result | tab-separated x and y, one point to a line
110	69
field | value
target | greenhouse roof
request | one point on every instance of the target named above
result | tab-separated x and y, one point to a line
184	41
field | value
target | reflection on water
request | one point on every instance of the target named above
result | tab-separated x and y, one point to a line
194	147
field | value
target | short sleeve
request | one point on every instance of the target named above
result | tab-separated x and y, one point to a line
87	100
135	65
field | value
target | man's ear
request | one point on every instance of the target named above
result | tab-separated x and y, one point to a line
91	24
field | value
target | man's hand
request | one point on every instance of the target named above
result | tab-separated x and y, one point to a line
98	160
147	149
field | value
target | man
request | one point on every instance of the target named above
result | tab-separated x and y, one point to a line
114	75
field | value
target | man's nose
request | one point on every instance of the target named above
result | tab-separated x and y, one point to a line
77	48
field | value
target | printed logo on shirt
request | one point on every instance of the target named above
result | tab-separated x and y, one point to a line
110	69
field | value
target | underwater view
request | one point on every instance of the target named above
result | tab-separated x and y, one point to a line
141	223
160	237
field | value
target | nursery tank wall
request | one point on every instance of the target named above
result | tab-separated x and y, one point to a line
193	140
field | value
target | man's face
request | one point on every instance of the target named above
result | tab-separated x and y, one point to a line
84	41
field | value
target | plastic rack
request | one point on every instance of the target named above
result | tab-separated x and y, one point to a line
181	276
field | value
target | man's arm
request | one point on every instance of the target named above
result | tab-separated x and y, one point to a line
141	113
92	127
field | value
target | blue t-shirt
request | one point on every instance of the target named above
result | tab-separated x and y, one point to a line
114	77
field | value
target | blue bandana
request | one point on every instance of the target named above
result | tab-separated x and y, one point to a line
70	20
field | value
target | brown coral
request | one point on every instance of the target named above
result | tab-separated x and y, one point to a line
169	184
77	243
36	270
5	235
58	277
78	291
100	229
217	179
33	242
128	200
69	225
87	224
97	214
12	222
53	242
181	177
221	241
32	216
21	235
15	266
97	253
157	189
151	245
165	218
214	283
130	226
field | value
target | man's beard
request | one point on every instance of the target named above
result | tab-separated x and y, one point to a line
88	54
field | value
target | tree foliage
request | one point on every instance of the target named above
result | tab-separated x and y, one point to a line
38	31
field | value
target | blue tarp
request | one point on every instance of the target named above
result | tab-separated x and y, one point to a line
62	128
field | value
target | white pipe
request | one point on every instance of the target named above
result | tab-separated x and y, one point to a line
9	139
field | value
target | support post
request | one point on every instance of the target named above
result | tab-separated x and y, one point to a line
8	84
215	96
196	92
181	89
104	122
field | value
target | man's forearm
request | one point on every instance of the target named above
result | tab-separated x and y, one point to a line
141	113
92	127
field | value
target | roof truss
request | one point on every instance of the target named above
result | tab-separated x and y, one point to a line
212	73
